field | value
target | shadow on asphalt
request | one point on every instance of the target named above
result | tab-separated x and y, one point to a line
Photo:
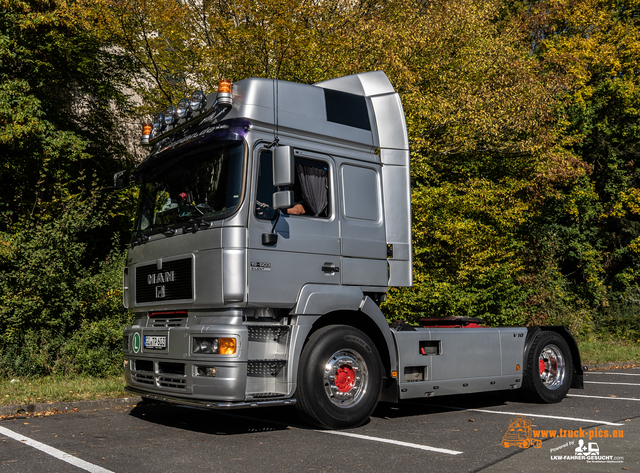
247	421
434	405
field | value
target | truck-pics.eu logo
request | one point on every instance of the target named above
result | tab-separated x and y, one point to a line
521	434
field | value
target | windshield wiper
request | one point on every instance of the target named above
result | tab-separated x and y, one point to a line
162	228
140	240
195	225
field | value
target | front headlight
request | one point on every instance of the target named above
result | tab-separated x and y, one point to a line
214	346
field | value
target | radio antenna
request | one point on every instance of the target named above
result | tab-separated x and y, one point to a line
276	138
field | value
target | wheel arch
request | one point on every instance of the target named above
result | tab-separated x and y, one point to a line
361	321
577	381
319	306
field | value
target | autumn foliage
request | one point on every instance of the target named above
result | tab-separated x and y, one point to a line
523	122
523	117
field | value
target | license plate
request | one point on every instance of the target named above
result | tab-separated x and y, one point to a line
155	342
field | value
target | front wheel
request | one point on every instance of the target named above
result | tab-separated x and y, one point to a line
549	368
339	378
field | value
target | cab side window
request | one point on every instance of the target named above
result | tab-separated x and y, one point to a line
310	189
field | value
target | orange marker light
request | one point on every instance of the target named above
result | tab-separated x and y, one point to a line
146	131
224	86
517	367
224	96
394	374
227	346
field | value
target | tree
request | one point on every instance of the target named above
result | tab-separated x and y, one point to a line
594	218
61	101
478	106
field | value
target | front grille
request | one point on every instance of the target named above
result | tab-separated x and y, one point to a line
169	322
173	282
143	378
125	343
170	382
168	374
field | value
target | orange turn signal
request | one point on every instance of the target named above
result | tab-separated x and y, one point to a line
227	346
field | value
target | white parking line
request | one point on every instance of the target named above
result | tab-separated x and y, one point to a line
393	442
575	419
620	384
347	434
609	372
54	452
605	397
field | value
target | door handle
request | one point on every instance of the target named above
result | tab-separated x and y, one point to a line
330	268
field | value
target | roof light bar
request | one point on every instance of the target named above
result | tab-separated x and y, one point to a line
187	110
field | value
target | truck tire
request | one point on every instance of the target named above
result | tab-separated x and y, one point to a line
549	368
339	378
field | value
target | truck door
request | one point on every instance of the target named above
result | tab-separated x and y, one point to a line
364	247
308	246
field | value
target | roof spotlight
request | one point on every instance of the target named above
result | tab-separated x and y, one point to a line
170	115
183	108
197	101
158	120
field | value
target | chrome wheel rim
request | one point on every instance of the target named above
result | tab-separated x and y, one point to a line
552	367
346	378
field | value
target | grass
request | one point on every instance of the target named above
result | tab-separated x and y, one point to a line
52	389
79	388
597	352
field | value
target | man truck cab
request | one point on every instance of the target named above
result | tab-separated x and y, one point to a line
273	218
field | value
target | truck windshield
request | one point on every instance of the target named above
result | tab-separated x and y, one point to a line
203	184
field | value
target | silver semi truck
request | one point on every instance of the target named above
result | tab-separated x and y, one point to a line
272	219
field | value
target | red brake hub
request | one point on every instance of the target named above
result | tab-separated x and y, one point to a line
345	378
542	366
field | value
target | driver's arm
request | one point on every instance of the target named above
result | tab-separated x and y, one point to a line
297	209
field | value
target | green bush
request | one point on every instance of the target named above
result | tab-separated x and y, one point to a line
59	313
621	319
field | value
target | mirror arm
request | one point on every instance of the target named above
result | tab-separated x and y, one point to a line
270	239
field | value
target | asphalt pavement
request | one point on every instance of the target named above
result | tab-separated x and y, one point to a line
449	434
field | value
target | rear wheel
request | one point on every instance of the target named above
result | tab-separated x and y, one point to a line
549	368
339	378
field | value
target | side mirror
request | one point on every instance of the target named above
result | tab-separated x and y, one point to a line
283	168
121	180
282	199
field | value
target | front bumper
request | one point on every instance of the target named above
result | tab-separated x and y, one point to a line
209	404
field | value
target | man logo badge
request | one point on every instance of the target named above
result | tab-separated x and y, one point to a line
159	292
167	276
